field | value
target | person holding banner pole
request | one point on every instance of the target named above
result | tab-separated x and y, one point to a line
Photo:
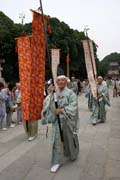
63	107
99	109
68	113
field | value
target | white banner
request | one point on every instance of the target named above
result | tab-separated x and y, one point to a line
90	65
55	55
93	57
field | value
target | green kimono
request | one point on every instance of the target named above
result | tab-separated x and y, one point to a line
99	110
67	100
74	87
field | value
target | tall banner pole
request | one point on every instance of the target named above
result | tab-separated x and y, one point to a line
93	58
91	53
89	67
55	97
90	64
55	56
68	65
45	31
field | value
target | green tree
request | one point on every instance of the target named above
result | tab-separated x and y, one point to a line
63	37
105	63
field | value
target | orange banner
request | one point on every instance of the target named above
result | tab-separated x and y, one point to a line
31	55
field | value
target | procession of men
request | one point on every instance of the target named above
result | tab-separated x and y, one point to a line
65	144
54	101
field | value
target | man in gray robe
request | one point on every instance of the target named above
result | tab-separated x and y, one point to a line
68	112
99	109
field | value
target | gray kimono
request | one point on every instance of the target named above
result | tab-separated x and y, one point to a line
67	100
99	111
3	98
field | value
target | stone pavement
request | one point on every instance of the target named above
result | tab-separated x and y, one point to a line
99	157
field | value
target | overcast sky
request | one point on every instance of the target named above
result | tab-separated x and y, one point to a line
102	17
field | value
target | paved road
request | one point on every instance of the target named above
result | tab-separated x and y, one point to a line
99	157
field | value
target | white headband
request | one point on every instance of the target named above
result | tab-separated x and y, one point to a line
100	77
61	77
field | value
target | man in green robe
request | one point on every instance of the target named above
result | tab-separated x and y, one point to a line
99	109
88	94
68	113
74	85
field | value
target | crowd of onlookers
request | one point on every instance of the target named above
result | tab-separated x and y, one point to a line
10	102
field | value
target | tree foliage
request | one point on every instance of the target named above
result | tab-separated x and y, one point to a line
105	63
63	37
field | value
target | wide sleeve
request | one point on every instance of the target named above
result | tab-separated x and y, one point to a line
105	94
105	91
71	111
48	112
